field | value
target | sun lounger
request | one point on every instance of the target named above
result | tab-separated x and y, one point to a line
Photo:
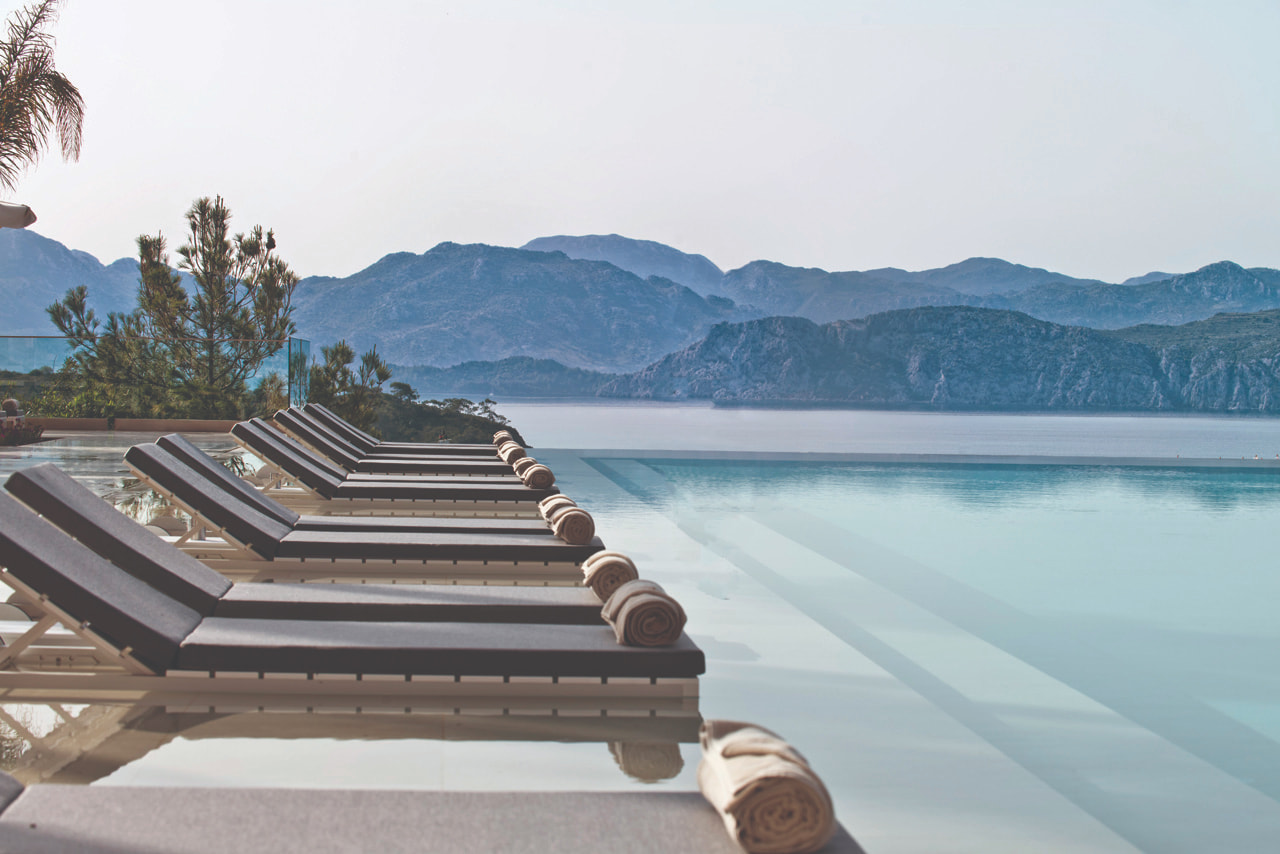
248	538
305	480
370	445
70	506
215	476
159	642
319	439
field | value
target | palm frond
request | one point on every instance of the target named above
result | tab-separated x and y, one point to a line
36	100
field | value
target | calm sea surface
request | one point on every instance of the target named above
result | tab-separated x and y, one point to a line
697	426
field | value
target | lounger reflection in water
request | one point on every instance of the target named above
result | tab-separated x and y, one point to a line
302	478
111	818
146	638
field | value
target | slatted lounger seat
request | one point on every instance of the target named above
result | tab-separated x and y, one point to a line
320	439
306	480
215	477
157	642
376	447
109	819
79	513
248	538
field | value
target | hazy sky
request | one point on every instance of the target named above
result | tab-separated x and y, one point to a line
1100	139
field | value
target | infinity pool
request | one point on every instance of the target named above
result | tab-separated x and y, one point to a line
975	656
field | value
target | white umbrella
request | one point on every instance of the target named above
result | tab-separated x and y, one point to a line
16	216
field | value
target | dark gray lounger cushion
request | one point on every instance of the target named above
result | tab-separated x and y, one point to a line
353	460
218	475
339	452
124	610
307	468
429	545
82	514
10	788
102	819
289	457
189	454
212	503
370	445
445	649
384	451
411	603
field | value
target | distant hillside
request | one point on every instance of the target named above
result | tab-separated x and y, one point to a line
645	258
518	376
36	272
462	303
964	358
1153	276
776	289
980	276
1217	288
939	358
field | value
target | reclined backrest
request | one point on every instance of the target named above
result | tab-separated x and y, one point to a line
125	611
80	513
310	436
326	432
215	472
290	457
214	505
341	426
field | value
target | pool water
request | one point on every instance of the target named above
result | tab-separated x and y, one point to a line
976	657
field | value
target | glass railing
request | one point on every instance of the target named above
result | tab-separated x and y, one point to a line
34	358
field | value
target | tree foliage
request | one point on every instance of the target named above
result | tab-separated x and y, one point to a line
36	100
404	418
352	394
184	353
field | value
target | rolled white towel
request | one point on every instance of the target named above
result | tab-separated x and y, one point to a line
573	525
549	505
606	571
510	452
643	614
502	436
538	476
771	800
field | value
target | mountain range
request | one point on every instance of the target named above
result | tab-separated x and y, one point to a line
540	321
36	272
457	303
